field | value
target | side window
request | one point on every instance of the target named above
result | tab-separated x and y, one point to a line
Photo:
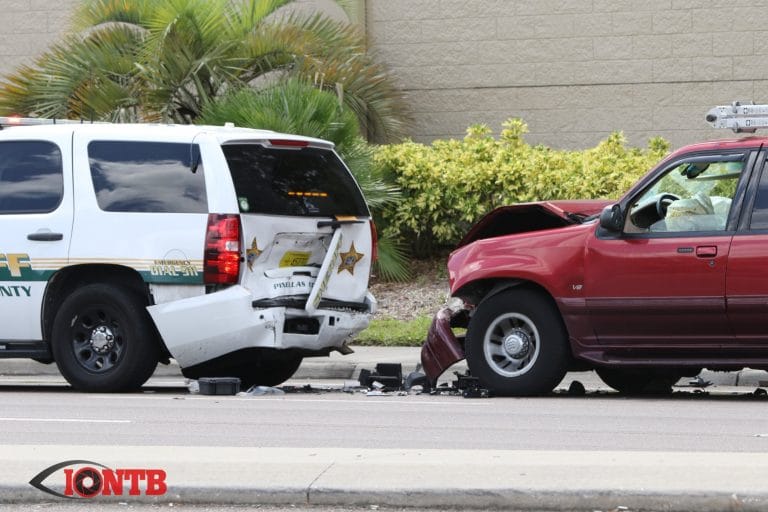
760	210
691	196
147	177
31	177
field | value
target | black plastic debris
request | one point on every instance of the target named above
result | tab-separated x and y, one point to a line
576	389
218	385
475	392
306	388
469	386
465	381
417	379
389	375
465	385
699	382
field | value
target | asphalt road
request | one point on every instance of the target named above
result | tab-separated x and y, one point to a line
686	421
596	451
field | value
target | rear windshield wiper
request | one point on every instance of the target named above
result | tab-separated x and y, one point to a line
335	224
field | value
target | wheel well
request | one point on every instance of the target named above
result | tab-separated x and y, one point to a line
69	279
477	292
481	290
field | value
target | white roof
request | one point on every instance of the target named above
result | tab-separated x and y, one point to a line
145	131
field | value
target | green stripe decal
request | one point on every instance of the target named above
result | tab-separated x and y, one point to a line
178	278
19	267
26	274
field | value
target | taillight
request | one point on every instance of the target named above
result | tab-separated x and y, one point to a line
288	143
221	263
374	243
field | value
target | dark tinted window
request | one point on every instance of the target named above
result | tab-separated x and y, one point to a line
298	181
31	177
147	177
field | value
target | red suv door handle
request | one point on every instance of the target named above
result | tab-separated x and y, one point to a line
706	251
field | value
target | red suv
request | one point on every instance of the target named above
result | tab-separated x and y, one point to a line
670	279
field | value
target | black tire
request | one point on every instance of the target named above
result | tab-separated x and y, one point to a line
516	344
632	381
272	368
103	340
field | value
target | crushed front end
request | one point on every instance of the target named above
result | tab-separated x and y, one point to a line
498	252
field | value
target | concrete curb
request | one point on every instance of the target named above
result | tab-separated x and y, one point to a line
441	479
520	500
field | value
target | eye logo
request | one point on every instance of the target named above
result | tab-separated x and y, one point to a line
87	479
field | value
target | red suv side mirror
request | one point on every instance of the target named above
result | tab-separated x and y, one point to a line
612	219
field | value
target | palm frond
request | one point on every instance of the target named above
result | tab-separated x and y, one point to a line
96	12
333	54
248	15
89	78
393	262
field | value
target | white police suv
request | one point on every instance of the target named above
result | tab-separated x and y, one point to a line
236	252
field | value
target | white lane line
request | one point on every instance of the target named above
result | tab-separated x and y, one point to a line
391	400
63	420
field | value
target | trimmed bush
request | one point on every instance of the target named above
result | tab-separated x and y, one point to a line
450	184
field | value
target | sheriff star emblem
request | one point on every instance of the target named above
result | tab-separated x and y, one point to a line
252	253
349	259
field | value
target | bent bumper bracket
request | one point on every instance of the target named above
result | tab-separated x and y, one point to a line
442	349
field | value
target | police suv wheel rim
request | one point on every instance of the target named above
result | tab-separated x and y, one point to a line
511	344
97	340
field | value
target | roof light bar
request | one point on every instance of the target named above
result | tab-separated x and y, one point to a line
33	121
739	117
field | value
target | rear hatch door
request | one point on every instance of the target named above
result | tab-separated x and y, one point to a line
306	227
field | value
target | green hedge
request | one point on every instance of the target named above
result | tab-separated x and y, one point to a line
452	183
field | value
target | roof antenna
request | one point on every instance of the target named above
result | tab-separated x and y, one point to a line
194	157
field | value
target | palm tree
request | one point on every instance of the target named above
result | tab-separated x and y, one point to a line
131	60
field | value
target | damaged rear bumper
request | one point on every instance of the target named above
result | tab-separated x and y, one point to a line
442	348
202	328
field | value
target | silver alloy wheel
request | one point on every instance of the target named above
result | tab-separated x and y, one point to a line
511	344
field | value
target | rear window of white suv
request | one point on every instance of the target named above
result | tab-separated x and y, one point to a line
297	181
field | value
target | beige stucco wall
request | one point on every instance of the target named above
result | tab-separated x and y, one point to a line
575	70
28	27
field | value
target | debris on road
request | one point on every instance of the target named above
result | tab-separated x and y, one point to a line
307	388
388	375
351	386
377	392
261	391
465	385
218	385
576	389
699	382
416	378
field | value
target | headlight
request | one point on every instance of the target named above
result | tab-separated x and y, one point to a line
455	304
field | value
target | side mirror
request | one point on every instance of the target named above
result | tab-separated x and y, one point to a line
611	218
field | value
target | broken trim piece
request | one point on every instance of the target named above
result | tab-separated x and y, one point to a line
321	283
442	349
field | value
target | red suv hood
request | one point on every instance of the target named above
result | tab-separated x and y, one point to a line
519	218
